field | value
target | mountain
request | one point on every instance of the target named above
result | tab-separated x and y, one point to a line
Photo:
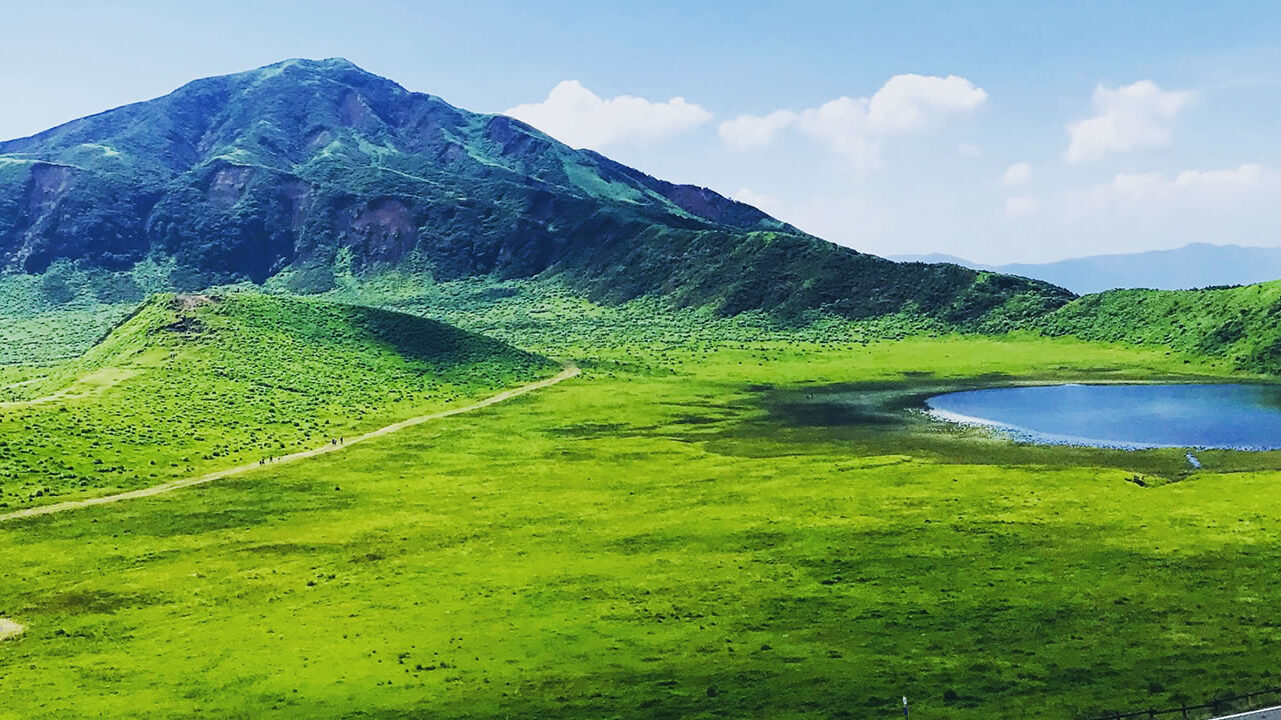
305	168
1242	325
1192	266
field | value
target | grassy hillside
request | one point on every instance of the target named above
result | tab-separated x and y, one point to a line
1239	326
671	538
62	312
196	382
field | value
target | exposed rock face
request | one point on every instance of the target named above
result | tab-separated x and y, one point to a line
382	231
243	176
228	185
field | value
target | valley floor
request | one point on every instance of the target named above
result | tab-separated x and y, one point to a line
723	532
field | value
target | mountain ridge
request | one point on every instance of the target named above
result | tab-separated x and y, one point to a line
316	166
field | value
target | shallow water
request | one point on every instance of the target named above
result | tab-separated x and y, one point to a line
1245	417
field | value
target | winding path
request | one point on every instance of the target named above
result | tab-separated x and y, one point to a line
172	485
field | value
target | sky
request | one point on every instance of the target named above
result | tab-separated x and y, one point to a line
997	131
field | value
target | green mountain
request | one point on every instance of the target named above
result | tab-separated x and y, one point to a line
305	169
1242	325
190	383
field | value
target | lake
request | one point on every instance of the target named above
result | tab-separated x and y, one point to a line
1243	417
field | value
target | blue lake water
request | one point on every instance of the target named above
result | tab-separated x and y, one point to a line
1246	417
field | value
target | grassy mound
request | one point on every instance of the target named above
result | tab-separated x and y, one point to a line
197	382
1241	325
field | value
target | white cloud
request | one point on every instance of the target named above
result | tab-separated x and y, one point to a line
1020	206
1140	189
1017	174
854	127
761	201
579	117
1127	118
911	102
1244	176
747	131
842	124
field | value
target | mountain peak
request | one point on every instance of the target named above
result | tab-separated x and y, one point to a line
302	169
335	66
323	63
295	71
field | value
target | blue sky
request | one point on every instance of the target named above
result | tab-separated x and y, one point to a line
997	131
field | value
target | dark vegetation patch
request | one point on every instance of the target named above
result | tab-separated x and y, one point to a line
98	601
192	523
591	430
282	549
696	420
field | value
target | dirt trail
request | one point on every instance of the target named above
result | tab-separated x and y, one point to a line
172	485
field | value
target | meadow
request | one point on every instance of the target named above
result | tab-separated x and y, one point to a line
190	384
736	510
724	529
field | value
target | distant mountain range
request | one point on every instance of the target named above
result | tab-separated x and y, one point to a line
1194	266
306	168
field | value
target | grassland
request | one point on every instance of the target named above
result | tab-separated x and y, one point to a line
734	512
192	384
710	531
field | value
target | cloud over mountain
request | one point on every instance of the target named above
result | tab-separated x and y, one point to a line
581	118
855	127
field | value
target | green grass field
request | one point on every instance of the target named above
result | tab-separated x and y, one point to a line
189	385
713	531
737	510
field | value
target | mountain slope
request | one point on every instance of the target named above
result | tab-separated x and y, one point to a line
193	383
1241	325
1193	266
317	167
